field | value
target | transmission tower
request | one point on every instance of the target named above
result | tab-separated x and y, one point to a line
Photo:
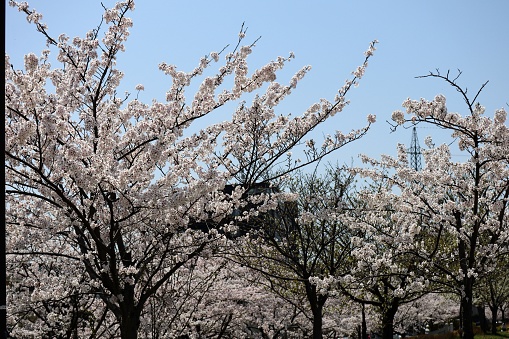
415	152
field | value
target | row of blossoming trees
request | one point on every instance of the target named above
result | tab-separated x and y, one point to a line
124	220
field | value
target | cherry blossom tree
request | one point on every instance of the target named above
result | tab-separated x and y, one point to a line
432	308
453	216
219	299
382	273
493	291
433	230
106	189
303	238
47	299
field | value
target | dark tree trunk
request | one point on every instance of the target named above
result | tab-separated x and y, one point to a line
129	314
461	320
482	319
388	320
129	325
316	301
317	322
466	306
364	328
494	311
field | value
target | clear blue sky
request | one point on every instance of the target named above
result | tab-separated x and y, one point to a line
415	37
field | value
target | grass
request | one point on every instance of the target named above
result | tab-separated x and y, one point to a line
499	335
455	335
479	335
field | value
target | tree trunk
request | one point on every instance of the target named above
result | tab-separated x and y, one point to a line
364	331
388	320
129	326
494	311
503	316
466	306
316	301
317	322
129	314
461	320
482	319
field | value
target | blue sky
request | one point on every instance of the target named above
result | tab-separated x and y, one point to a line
415	37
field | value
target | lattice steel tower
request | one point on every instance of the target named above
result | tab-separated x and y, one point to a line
415	152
